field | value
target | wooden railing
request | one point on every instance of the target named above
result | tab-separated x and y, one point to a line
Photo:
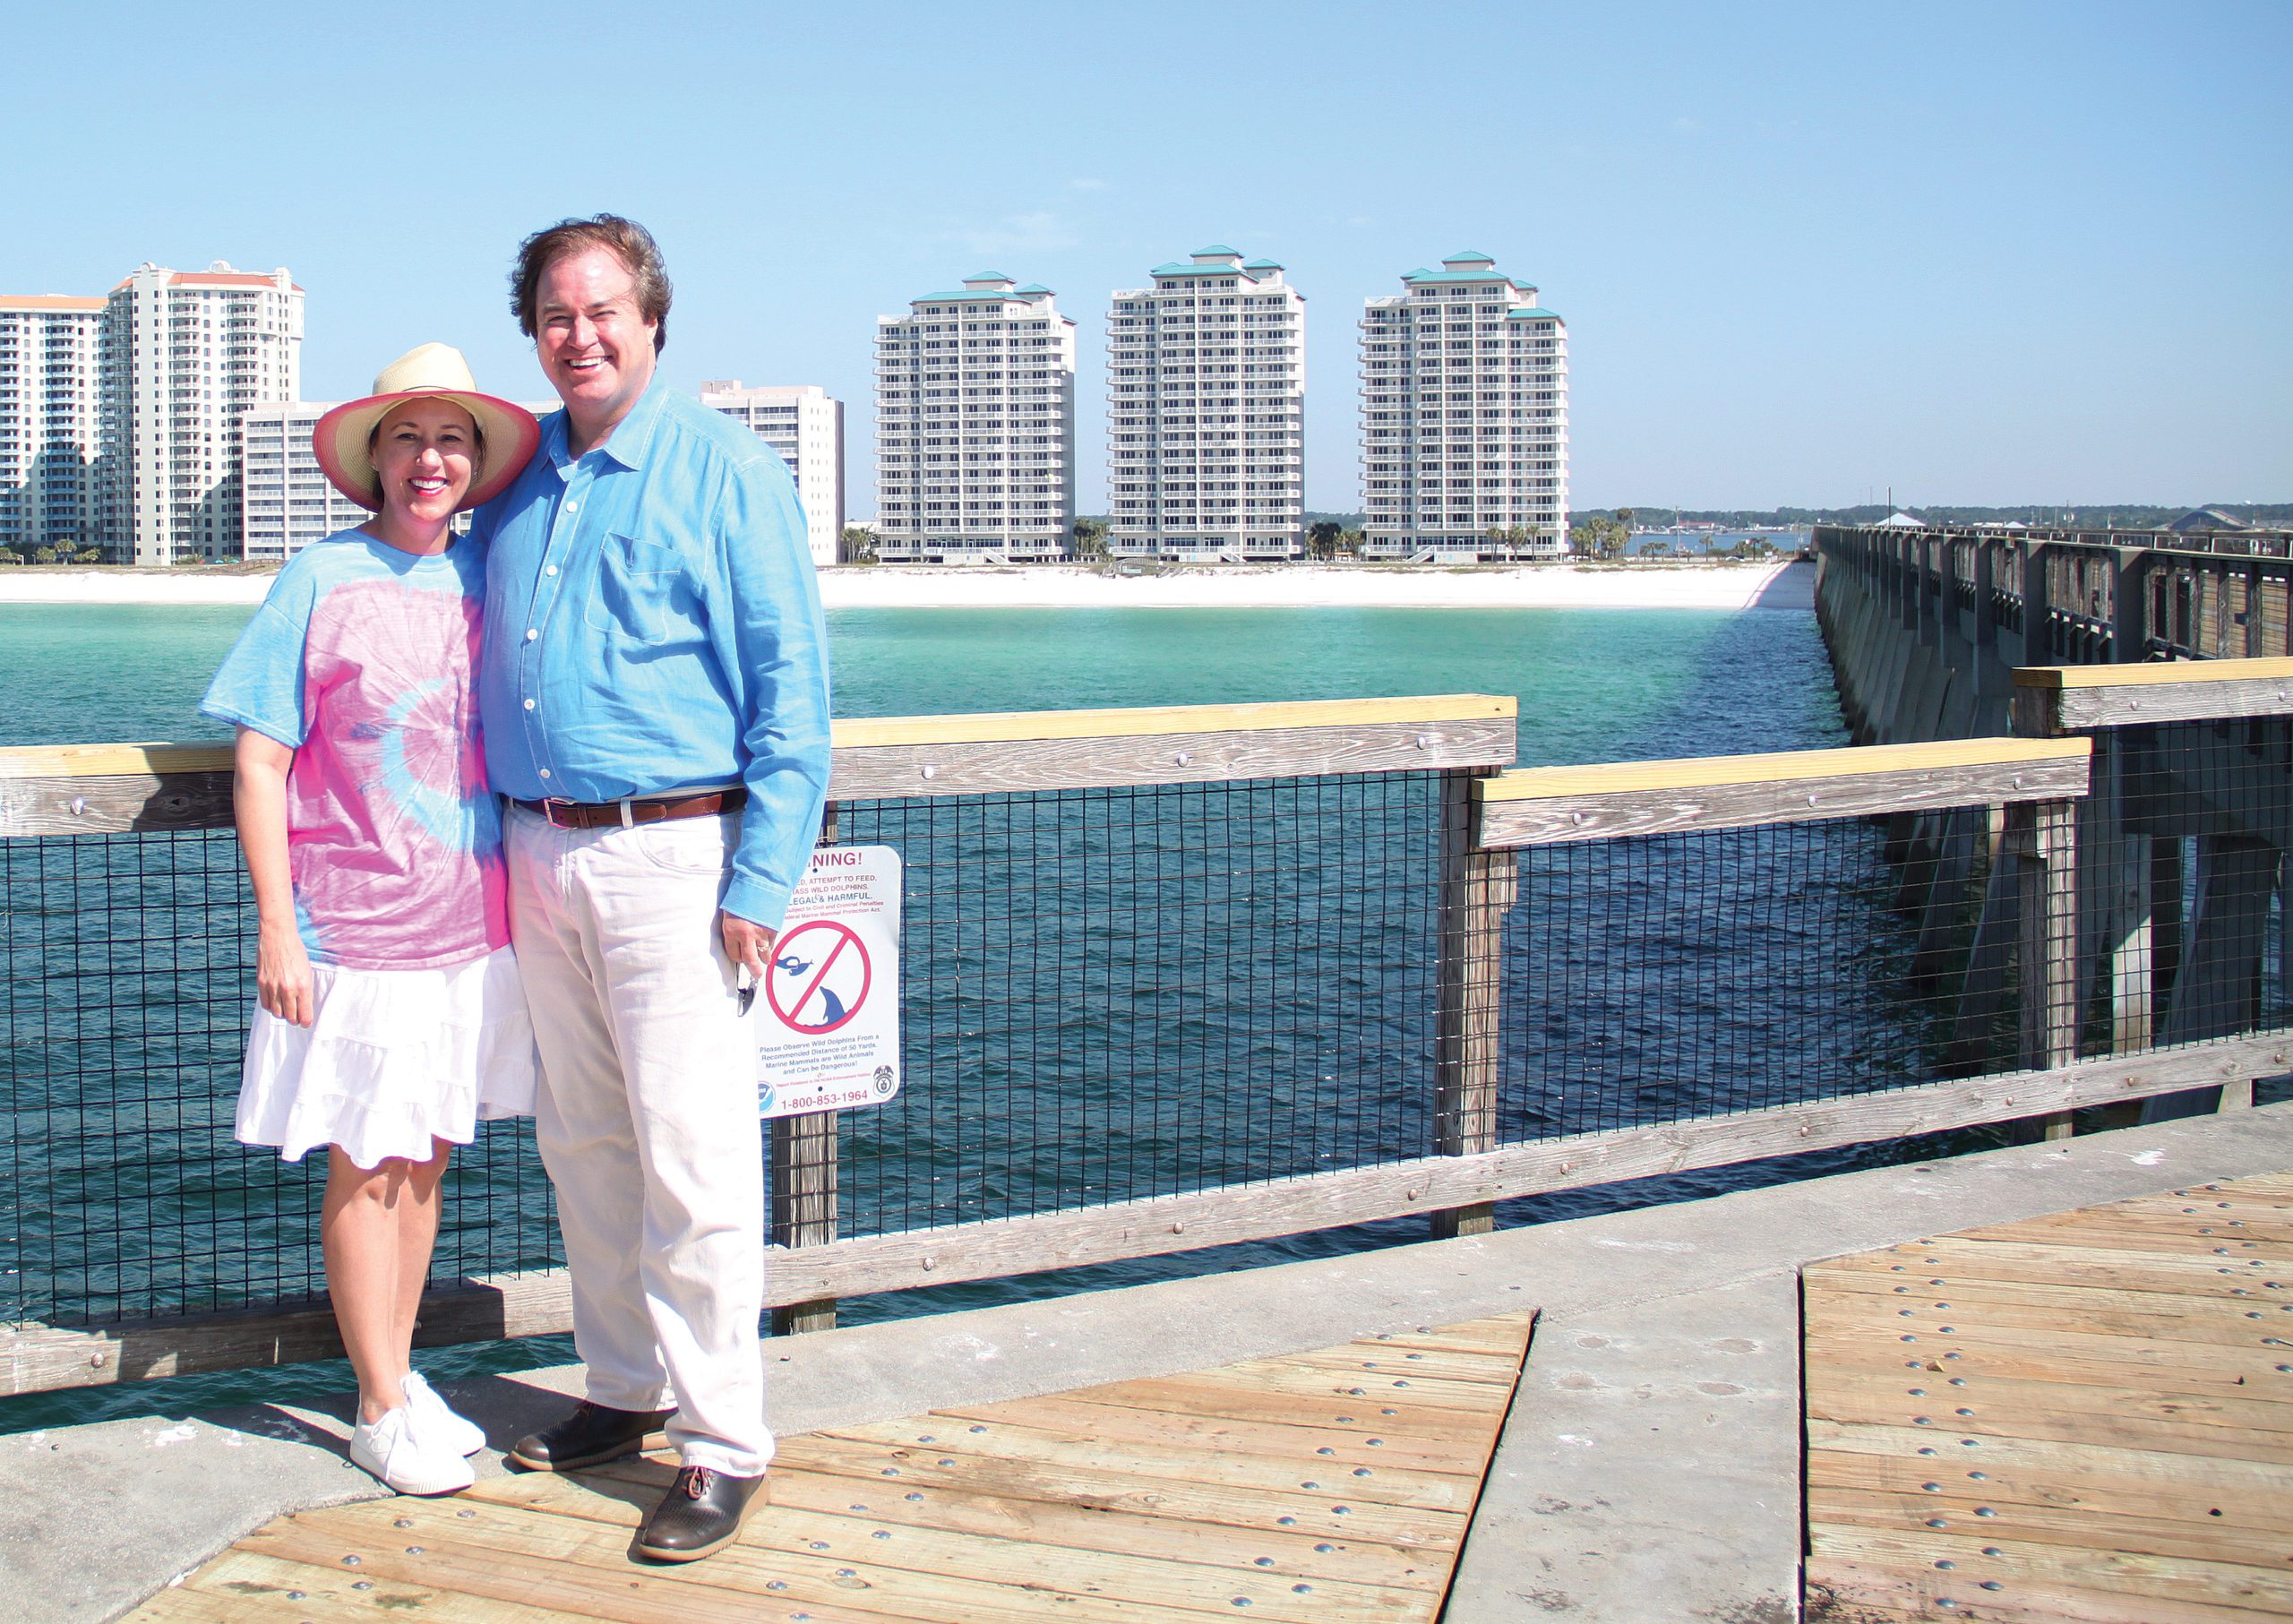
1487	816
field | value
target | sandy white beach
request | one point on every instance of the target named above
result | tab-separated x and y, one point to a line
1651	585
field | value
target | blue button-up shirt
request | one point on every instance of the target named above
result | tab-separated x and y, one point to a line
652	625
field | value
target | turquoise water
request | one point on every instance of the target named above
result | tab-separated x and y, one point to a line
1595	685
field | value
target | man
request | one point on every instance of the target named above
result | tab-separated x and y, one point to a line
654	691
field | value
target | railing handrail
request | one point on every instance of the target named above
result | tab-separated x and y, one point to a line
103	761
1545	805
106	789
2065	699
1146	721
1787	766
2155	673
873	732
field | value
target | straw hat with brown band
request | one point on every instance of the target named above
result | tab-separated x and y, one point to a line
344	436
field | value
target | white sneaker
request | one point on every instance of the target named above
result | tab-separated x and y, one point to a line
437	1420
392	1451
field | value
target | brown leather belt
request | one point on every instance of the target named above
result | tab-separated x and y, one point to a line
627	814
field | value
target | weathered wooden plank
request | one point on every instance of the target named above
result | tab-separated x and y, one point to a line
1489	1370
2028	1413
2251	1493
2048	854
1838	1386
186	799
2235	1247
39	1358
2181	690
116	803
325	1594
121	789
582	1567
1021	766
2154	674
2063	1296
1215	1394
1789	767
1339	1450
1477	888
35	1358
999	1247
1844	1591
2046	1474
2010	1261
1202	1499
2168	1579
1939	1342
803	1151
1077	1528
1529	808
2045	1522
2036	1364
943	1440
1165	721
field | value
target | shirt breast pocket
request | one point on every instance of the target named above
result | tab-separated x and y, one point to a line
643	593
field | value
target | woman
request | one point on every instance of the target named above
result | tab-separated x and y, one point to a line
390	1018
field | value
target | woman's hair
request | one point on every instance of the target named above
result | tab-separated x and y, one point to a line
625	239
477	451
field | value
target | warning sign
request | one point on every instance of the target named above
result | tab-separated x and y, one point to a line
826	1017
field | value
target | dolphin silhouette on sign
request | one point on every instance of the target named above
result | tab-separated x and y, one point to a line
794	966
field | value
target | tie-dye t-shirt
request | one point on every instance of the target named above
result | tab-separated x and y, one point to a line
364	659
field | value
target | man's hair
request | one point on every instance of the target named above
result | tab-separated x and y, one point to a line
625	239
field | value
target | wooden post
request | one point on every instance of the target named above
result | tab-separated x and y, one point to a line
2041	839
1477	887
804	1185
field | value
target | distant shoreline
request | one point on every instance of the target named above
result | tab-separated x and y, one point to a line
1642	584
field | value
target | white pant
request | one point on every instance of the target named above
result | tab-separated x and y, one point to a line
647	1115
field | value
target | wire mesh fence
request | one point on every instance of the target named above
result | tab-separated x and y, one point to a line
2184	884
125	995
1116	993
1654	978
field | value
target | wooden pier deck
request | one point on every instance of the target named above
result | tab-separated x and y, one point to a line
1331	1485
2084	1416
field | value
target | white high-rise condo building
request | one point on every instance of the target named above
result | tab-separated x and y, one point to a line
1465	418
286	503
286	500
1205	411
805	425
186	354
50	355
975	426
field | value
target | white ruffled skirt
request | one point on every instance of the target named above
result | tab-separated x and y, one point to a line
393	1060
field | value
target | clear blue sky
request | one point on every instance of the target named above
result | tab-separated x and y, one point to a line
1989	253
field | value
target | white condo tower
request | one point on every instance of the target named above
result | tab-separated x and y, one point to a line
1205	412
1465	418
50	357
975	426
185	355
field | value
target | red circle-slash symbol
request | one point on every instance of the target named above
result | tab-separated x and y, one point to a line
804	955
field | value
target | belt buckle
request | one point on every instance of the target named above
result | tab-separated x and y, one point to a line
549	806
